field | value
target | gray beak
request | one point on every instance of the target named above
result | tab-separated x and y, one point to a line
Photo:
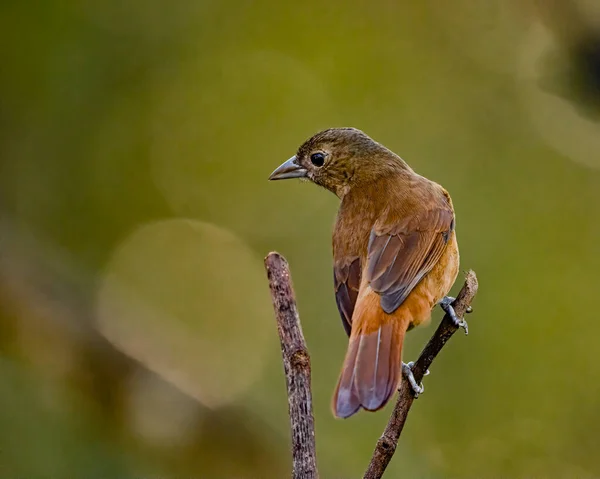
290	169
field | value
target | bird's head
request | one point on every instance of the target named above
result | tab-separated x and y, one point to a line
338	159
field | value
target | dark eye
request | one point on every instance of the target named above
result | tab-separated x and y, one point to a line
317	159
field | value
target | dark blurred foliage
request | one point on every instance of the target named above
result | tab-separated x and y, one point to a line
572	67
136	331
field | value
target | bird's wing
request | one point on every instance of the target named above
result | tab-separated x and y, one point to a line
346	277
401	253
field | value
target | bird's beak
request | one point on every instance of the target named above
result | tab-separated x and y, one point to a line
290	169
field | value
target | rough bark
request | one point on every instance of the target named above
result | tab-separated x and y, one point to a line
296	363
387	443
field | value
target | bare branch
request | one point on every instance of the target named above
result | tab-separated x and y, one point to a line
387	443
296	362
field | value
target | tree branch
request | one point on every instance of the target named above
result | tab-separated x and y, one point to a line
296	363
387	443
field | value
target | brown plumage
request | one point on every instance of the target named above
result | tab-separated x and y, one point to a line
395	255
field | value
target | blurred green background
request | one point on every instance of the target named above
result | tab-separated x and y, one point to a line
137	337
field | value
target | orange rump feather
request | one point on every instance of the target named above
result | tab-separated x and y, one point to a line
372	368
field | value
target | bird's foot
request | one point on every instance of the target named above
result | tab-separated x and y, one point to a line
446	305
407	371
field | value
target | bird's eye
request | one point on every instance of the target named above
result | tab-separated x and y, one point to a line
317	159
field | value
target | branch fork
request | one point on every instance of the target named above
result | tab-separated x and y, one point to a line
296	362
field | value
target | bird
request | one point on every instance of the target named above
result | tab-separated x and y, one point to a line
395	257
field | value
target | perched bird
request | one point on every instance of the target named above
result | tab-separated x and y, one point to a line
395	256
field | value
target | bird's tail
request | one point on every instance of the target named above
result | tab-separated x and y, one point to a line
372	368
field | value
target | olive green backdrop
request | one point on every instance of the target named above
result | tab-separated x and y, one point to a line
137	337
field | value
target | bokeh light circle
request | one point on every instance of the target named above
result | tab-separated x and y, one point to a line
220	126
188	300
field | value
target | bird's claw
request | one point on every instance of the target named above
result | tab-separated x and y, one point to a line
407	371
446	305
